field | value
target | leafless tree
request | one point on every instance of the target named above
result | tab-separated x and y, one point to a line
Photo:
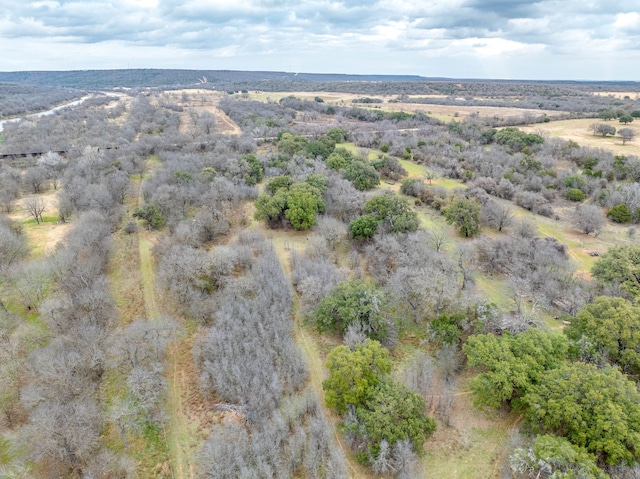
627	134
35	207
35	178
588	219
438	239
497	215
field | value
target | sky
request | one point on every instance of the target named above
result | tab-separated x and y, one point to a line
501	39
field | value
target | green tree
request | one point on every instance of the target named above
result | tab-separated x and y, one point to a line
393	212
317	180
597	409
607	114
337	134
298	203
355	301
277	182
340	159
553	456
619	213
578	181
464	213
514	364
574	194
625	119
271	208
362	174
620	265
320	148
151	215
183	177
609	330
354	374
517	139
291	144
393	413
302	206
256	169
363	227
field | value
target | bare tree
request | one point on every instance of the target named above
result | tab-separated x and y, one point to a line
627	134
35	207
589	219
35	178
438	239
13	245
406	462
382	464
497	215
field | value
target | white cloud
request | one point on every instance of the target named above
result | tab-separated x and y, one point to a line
511	39
628	21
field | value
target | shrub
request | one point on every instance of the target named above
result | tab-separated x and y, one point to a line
575	194
364	227
352	302
620	214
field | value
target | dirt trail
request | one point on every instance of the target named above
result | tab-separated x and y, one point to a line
178	431
316	367
226	124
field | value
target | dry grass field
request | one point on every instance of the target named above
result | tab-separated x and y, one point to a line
634	95
579	131
201	101
444	112
43	237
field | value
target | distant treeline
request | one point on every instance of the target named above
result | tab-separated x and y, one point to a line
291	81
17	100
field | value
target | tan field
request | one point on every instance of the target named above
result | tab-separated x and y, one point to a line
579	131
200	101
447	111
634	95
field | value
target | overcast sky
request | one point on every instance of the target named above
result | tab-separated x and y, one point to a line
511	39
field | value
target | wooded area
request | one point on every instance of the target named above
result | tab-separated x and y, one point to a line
238	285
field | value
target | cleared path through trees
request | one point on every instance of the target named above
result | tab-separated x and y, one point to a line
314	360
179	432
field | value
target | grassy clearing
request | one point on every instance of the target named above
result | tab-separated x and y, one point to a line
496	291
414	169
444	113
126	280
43	237
579	131
473	445
171	448
182	435
419	171
148	280
578	244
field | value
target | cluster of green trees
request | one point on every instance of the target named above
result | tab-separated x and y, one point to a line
297	202
387	212
571	385
621	115
381	411
357	170
517	140
291	144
